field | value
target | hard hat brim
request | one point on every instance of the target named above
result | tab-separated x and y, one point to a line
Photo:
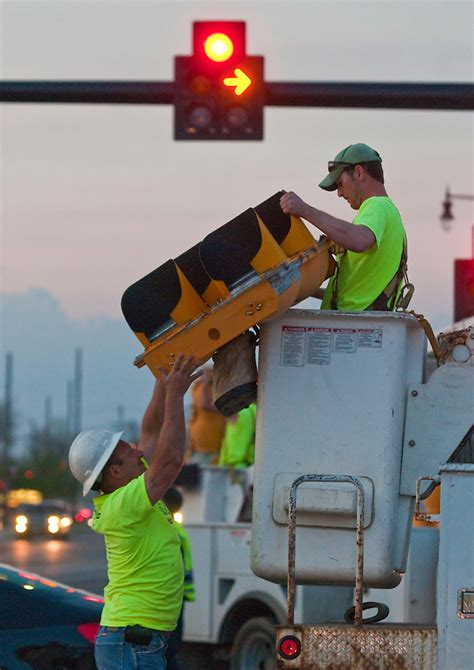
99	466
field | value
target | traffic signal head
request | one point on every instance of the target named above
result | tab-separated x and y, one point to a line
463	289
219	89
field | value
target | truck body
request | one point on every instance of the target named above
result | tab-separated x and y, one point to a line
233	618
339	475
356	405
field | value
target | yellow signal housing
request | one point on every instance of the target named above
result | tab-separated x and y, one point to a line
190	304
254	267
298	237
270	253
215	292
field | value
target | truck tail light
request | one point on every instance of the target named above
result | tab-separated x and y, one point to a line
289	647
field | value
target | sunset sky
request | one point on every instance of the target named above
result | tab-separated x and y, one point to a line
94	197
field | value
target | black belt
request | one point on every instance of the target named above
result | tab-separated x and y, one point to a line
139	634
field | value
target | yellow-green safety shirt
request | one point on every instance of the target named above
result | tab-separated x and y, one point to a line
145	566
362	277
238	445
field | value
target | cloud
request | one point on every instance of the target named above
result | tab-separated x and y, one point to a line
43	341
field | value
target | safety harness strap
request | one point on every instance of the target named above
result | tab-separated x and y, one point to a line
387	300
425	324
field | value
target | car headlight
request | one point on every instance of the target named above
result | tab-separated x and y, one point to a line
21	523
53	524
65	521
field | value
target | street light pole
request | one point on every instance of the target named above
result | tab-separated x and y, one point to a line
447	214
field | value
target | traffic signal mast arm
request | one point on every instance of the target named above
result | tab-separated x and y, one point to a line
402	95
390	95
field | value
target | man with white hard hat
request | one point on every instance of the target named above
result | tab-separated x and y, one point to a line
144	594
371	267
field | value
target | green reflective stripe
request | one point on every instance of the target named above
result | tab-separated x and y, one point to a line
189	593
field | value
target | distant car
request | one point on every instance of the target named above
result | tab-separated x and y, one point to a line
50	518
45	625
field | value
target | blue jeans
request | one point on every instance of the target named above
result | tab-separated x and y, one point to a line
113	652
174	643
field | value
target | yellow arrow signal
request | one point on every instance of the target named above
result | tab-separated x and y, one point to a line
241	81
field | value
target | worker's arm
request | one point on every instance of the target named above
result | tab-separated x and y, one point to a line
168	452
152	420
353	237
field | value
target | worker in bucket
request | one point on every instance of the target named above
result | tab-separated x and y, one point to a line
371	266
144	594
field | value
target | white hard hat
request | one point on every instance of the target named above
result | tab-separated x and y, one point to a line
88	454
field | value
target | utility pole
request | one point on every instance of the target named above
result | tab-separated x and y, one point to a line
48	413
70	407
77	423
8	414
7	435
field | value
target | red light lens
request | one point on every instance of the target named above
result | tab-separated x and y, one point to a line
218	47
89	631
290	647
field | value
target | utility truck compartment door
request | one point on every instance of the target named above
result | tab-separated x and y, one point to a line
331	505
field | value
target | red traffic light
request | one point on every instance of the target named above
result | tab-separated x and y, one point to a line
219	41
463	289
218	47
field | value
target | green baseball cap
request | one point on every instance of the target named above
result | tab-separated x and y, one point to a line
354	154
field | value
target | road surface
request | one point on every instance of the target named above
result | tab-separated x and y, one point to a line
78	561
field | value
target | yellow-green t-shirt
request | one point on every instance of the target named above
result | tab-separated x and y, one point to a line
238	445
145	566
363	276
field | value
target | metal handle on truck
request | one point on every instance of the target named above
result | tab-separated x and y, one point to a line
328	479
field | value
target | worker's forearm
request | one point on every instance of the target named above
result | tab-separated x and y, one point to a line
339	231
168	454
153	417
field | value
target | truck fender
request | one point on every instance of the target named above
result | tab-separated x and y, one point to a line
254	604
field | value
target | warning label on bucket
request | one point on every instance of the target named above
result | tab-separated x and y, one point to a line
293	346
319	346
344	340
301	345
